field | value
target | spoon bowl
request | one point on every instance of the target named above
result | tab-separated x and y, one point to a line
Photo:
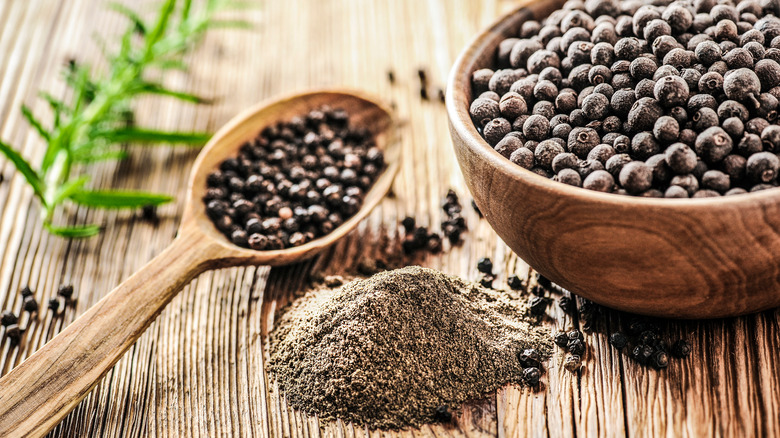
36	395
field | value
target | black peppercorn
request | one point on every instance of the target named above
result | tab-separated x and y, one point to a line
512	105
636	177
442	414
485	265
599	180
486	280
537	305
65	291
408	223
531	376
7	318
671	91
582	140
482	111
14	333
688	182
536	128
762	167
643	114
572	363
716	180
660	359
618	340
770	138
713	144
566	304
742	85
523	157
514	282
561	339
26	292
529	358
576	347
681	348
53	304
602	153
666	129
30	305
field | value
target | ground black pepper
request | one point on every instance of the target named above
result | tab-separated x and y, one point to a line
338	352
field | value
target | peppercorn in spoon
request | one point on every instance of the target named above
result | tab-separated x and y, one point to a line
39	393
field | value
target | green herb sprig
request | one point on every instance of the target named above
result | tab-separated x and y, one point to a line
94	123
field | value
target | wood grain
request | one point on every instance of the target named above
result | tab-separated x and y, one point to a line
198	370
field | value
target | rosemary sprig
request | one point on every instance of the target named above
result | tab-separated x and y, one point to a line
97	120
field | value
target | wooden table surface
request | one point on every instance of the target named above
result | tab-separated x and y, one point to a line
198	371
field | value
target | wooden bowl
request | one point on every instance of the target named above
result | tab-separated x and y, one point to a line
681	258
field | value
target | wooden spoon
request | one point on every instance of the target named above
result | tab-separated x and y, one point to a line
36	395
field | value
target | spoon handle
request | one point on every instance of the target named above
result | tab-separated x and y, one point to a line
36	395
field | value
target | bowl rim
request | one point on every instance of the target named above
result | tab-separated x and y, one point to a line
457	101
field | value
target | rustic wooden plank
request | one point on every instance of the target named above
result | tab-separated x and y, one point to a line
199	370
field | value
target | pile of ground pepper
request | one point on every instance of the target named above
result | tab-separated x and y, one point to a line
387	351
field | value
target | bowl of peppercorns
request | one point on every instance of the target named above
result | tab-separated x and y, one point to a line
627	150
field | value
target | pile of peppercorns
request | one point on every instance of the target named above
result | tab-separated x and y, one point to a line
646	346
420	238
12	322
669	99
297	181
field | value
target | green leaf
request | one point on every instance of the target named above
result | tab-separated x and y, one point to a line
118	198
126	135
76	231
69	188
140	26
25	169
35	123
100	156
185	9
159	28
149	87
171	64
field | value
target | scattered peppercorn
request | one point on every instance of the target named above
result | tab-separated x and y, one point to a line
531	376
65	291
485	265
149	213
53	304
486	280
14	333
537	305
8	318
572	363
442	414
514	282
673	89
26	292
618	340
566	304
529	358
30	305
561	339
576	347
681	348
